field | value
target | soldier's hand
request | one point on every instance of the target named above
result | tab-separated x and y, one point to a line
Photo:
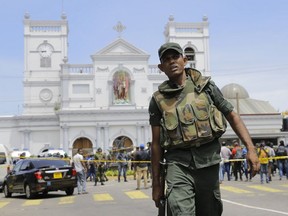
253	161
156	195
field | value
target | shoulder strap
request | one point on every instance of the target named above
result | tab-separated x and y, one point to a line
199	80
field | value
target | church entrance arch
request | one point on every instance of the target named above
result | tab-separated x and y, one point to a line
83	143
122	142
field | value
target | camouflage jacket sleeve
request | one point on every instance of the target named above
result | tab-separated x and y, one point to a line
154	113
216	95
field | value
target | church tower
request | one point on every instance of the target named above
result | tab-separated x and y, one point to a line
194	40
45	49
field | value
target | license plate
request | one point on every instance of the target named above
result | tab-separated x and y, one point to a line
57	175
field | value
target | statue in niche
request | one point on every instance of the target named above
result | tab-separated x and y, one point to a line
121	81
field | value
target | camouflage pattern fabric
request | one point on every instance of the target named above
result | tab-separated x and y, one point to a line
189	117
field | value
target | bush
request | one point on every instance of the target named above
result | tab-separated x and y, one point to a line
130	172
111	173
115	172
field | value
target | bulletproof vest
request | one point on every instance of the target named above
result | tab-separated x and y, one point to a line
189	116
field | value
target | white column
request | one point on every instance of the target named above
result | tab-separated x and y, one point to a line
65	144
99	138
147	138
106	138
26	139
138	127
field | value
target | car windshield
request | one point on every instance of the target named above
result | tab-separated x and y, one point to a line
49	163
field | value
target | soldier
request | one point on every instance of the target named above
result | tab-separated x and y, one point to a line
99	157
186	109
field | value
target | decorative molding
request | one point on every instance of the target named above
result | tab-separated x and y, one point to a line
98	90
46	95
139	70
102	69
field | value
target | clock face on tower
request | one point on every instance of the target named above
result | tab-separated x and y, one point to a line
45	50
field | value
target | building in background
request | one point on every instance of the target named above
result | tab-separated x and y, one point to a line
104	103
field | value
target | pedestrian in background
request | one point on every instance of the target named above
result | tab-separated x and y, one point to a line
142	158
247	170
81	170
238	156
271	153
99	157
263	155
149	173
122	158
282	161
226	155
134	164
91	174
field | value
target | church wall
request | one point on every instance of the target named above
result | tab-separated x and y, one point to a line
9	135
45	138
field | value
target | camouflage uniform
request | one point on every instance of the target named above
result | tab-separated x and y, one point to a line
100	167
192	168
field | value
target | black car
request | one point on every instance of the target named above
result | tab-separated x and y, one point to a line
33	176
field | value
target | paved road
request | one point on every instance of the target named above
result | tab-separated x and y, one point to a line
239	198
253	198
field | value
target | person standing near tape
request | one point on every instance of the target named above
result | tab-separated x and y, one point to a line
226	154
189	138
141	159
81	170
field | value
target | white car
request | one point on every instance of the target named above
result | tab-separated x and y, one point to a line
53	153
18	154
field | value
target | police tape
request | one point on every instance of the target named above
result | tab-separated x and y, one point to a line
71	159
133	161
244	159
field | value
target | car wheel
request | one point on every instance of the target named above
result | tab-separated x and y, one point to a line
6	191
28	192
45	192
69	191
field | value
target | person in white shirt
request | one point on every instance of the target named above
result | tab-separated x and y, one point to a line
225	155
81	170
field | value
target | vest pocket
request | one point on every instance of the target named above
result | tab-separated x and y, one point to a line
171	126
218	122
187	122
201	110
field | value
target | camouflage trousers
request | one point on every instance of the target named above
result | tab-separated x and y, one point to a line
193	192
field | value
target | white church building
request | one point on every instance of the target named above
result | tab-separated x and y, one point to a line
104	103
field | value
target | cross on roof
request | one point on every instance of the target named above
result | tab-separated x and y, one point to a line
119	28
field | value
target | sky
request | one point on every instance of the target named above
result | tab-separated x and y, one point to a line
248	39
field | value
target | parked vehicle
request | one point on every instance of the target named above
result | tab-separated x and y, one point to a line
40	175
17	155
52	153
5	164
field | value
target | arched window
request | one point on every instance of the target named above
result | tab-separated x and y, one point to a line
190	54
121	88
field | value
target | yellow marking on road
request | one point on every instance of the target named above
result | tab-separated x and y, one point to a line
102	197
264	188
2	204
32	202
234	189
67	200
137	195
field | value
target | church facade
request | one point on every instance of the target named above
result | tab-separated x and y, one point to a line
103	103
